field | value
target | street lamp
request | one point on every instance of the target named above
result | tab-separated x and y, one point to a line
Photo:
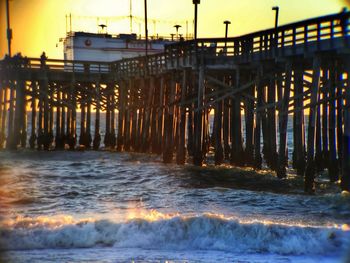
226	22
276	9
9	30
196	3
177	31
146	28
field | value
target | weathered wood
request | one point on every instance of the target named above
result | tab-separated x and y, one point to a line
148	108
88	123
72	138
33	136
19	114
2	105
58	138
198	156
318	139
108	121
309	186
271	118
121	117
127	119
63	119
113	139
169	122
327	86
249	127
345	178
181	149
10	132
46	112
4	117
226	128
298	129
257	128
283	124
339	112
160	120
236	126
82	123
97	135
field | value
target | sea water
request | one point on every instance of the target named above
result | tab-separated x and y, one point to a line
64	206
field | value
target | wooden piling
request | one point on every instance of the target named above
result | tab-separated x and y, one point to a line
249	127
257	127
97	135
63	119
121	117
181	149
345	178
298	120
58	138
4	115
88	123
333	161
168	150
19	114
10	132
198	156
271	119
309	185
236	125
283	123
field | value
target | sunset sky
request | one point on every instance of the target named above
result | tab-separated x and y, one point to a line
39	24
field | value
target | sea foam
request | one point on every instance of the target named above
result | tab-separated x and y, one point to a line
202	232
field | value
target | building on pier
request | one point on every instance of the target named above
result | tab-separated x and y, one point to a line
106	47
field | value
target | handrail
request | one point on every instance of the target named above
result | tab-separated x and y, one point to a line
267	43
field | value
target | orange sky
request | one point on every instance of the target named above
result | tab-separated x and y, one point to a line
39	24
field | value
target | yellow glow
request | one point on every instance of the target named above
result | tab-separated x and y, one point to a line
39	24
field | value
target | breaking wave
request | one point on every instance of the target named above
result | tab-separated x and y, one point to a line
207	232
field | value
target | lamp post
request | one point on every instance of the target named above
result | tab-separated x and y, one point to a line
177	31
9	30
276	9
146	28
226	22
196	3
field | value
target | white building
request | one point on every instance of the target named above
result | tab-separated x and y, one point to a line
107	48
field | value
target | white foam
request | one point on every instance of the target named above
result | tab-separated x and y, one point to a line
204	232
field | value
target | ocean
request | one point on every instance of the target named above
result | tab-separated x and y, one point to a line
89	206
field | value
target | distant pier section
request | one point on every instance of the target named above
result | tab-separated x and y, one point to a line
255	86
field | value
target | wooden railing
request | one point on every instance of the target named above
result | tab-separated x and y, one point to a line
77	66
266	44
271	42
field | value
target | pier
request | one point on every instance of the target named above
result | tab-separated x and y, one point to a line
255	86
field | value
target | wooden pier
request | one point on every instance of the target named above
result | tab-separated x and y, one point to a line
239	98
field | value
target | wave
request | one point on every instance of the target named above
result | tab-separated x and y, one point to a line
203	232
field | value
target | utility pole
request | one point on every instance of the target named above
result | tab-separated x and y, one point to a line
9	30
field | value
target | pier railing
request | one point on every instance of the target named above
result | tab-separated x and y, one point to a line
305	36
76	66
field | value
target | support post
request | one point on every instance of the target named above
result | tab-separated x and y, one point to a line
309	186
283	123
